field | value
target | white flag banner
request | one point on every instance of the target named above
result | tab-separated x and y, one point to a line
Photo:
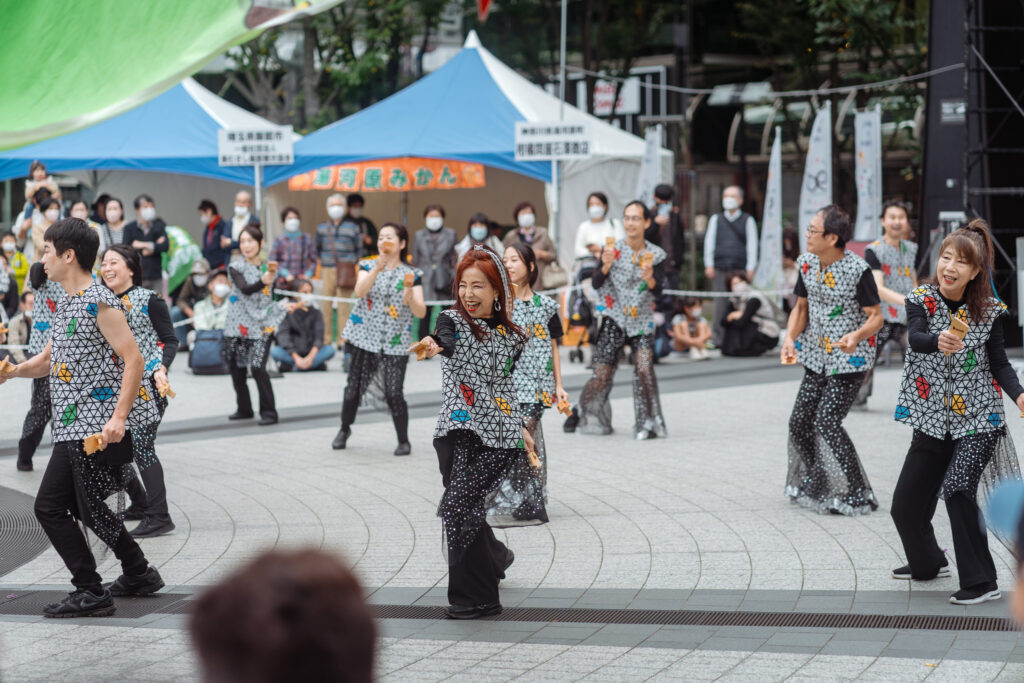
650	166
769	262
816	190
867	129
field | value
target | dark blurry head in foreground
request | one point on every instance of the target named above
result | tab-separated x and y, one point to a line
286	616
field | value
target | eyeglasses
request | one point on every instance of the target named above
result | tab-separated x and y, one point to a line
632	219
815	232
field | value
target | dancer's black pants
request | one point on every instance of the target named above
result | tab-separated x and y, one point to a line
913	506
56	509
473	579
39	413
268	408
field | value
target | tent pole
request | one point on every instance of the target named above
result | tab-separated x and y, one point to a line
405	208
257	171
556	176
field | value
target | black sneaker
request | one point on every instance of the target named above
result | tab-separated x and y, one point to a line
341	440
24	465
134	514
571	422
472	611
144	584
82	603
903	573
976	594
403	449
151	526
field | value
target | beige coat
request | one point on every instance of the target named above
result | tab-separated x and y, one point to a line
541	240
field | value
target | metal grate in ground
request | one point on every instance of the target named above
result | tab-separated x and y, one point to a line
21	537
710	618
31	603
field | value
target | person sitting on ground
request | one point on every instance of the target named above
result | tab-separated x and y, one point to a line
312	625
299	336
20	326
750	327
689	331
211	312
188	295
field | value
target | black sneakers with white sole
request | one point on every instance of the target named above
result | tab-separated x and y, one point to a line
903	573
976	594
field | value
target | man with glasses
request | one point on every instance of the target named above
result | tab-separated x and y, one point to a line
831	331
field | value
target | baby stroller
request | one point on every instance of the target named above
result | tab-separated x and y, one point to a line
580	309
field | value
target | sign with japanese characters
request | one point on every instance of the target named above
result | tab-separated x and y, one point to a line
552	140
406	174
263	146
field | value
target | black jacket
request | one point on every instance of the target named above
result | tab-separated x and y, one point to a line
152	265
301	330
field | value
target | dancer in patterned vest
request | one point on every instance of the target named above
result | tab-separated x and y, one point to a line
150	322
831	331
952	395
379	329
95	371
48	295
893	262
252	319
480	438
537	378
627	282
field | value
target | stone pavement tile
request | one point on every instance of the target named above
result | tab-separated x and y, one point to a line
715	599
826	604
606	598
959	670
732	643
827	667
702	665
866	648
891	669
805	638
628	635
1011	672
562	633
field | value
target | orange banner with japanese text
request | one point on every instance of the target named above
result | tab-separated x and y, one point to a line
407	174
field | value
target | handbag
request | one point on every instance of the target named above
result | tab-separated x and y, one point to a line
553	277
346	271
207	354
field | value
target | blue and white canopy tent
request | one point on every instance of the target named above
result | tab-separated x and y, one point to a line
466	111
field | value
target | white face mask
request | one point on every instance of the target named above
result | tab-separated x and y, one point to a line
80	215
306	299
200	280
526	220
664	209
148	213
113	215
52	214
335	211
697	312
292	225
241	210
9	247
221	290
730	203
356	212
595	211
434	223
204	219
478	232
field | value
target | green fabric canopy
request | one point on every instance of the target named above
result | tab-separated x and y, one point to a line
68	65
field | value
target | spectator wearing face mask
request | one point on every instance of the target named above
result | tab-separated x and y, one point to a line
356	204
113	229
25	225
242	218
339	244
98	210
478	233
211	312
535	236
730	243
689	330
750	327
300	335
433	252
667	230
49	208
190	293
38	179
294	251
8	291
592	233
148	236
216	235
16	261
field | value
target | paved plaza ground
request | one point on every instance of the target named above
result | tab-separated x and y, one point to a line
673	559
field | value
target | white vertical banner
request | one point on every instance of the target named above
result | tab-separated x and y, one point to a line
650	166
867	129
769	262
816	190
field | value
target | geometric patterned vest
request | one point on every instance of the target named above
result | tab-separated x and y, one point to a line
48	297
136	306
955	394
624	296
534	375
380	322
832	313
897	274
85	373
477	388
